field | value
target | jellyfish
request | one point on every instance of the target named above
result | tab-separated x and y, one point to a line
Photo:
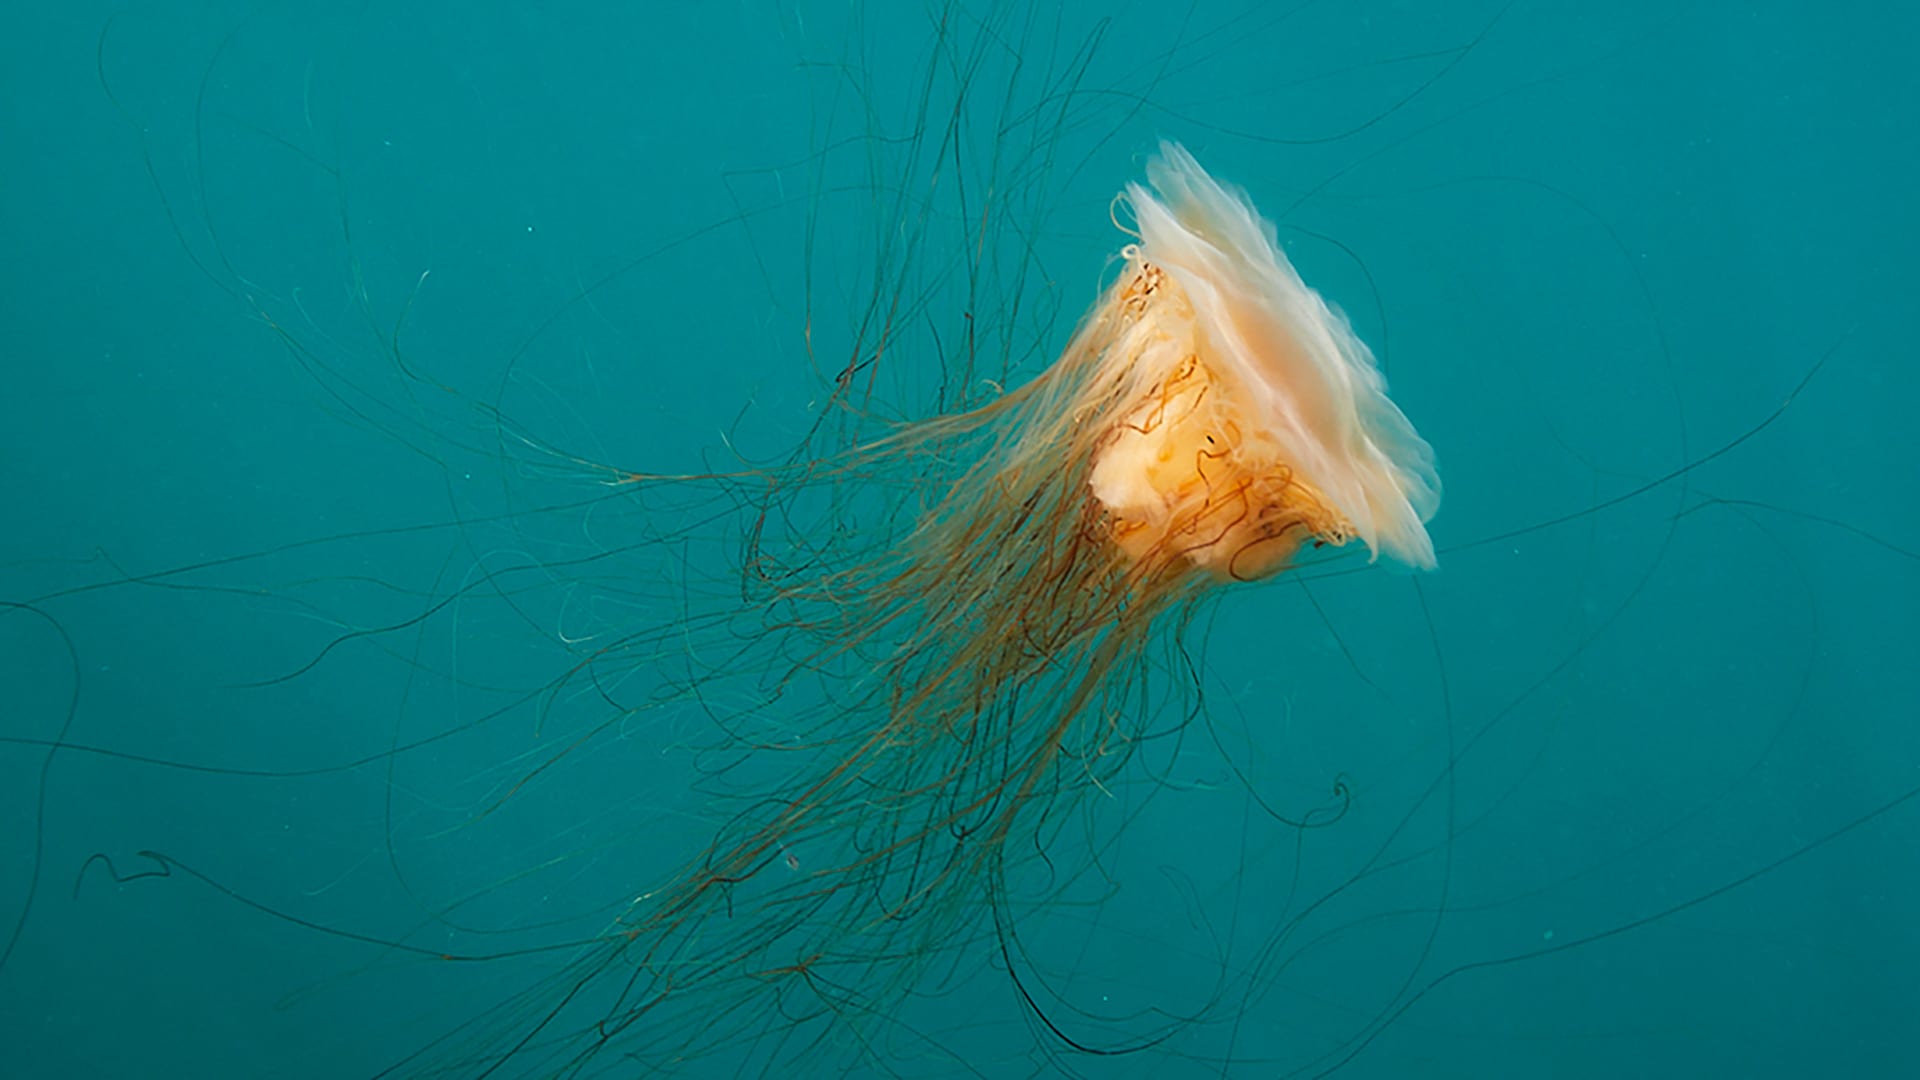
1210	417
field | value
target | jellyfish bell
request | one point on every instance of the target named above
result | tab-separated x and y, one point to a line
1250	416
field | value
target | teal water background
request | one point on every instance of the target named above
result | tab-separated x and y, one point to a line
1591	246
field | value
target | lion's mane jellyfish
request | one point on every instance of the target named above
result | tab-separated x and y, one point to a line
1210	416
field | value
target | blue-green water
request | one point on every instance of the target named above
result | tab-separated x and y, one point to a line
298	528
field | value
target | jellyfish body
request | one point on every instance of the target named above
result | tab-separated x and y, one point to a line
1259	418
